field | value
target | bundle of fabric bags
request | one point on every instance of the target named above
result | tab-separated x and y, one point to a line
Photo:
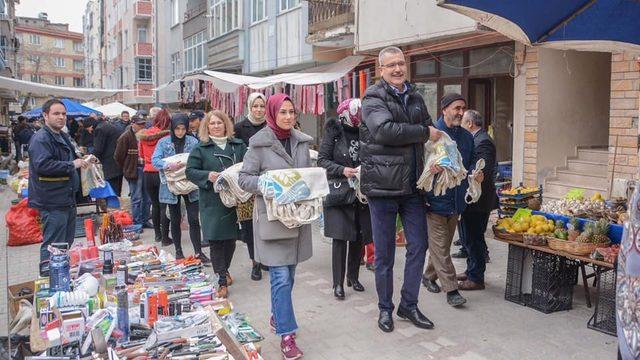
177	179
445	154
227	186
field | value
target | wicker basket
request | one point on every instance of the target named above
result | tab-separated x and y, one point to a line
506	235
573	247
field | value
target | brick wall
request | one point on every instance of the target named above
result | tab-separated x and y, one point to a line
531	118
623	130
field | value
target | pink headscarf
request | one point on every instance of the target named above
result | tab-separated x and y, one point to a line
273	107
350	112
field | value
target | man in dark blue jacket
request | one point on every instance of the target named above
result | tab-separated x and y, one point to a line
53	179
444	211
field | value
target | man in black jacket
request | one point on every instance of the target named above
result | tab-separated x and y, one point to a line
106	136
476	215
396	124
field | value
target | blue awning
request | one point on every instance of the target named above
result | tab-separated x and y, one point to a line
74	109
589	25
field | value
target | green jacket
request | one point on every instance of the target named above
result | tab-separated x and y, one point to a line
218	222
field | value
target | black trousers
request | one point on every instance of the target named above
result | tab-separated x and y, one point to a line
221	252
340	256
194	224
116	184
158	211
474	226
246	234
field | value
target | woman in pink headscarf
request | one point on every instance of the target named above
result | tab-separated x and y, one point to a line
278	146
346	219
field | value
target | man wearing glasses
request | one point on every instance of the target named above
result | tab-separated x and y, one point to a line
396	124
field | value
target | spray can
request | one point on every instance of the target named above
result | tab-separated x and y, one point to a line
122	273
60	270
123	312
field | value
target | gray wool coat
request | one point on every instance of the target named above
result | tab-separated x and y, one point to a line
274	243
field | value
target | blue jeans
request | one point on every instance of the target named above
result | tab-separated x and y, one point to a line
412	211
139	200
281	302
59	227
474	225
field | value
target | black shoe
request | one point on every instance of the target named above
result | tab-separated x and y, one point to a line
256	273
461	254
179	255
338	292
457	243
355	284
204	259
385	321
158	239
415	316
147	225
455	299
166	242
431	286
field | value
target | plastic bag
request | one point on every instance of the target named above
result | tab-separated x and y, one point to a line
444	153
92	177
23	223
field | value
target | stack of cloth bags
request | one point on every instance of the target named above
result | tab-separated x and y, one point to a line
294	196
444	153
227	186
177	179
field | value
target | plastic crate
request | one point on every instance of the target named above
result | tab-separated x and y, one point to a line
604	314
515	267
552	282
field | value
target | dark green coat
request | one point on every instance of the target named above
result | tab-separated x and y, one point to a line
218	222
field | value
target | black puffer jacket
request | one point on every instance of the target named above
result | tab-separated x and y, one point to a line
105	140
392	136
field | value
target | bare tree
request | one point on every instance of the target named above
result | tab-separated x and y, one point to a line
38	62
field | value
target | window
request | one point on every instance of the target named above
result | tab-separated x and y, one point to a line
35	78
143	70
258	10
77	46
176	66
78	65
451	65
34	39
142	34
194	54
58	62
59	80
58	43
175	12
33	58
288	4
224	16
78	82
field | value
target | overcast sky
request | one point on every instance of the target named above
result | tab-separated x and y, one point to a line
59	11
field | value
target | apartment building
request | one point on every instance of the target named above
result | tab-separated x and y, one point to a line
171	13
8	50
129	49
92	31
49	53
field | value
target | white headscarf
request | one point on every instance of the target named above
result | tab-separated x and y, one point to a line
250	100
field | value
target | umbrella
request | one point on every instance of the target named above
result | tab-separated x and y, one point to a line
74	109
588	25
115	109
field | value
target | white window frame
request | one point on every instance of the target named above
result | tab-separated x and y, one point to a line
59	62
144	30
78	68
138	65
286	5
80	82
194	50
255	5
58	83
34	39
78	46
175	12
176	65
58	43
219	24
36	78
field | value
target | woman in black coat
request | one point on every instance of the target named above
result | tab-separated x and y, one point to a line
347	222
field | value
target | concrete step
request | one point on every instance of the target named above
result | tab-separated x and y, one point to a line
585	179
557	189
597	155
587	167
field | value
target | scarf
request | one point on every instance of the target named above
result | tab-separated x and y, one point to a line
176	120
220	141
250	100
273	107
349	112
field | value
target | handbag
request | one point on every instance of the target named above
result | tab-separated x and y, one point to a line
340	193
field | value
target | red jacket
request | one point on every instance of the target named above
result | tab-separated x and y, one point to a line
148	140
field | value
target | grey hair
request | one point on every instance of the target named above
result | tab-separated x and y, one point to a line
475	117
154	111
388	50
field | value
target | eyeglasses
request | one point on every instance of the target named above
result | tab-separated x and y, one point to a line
400	64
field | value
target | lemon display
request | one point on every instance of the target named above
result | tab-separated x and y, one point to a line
528	224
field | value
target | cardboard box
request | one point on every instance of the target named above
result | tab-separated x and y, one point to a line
72	326
14	297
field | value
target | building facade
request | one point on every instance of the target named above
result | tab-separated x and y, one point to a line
49	54
9	46
129	50
92	31
172	14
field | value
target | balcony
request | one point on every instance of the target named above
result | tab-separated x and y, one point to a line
143	9
194	10
143	49
331	23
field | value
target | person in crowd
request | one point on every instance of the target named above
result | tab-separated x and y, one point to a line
348	221
177	143
476	216
72	127
106	136
16	130
85	135
153	112
123	121
126	157
217	151
462	252
396	124
244	130
369	256
194	123
278	146
444	211
148	140
54	179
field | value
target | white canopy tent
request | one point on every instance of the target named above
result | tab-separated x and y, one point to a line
115	109
60	91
